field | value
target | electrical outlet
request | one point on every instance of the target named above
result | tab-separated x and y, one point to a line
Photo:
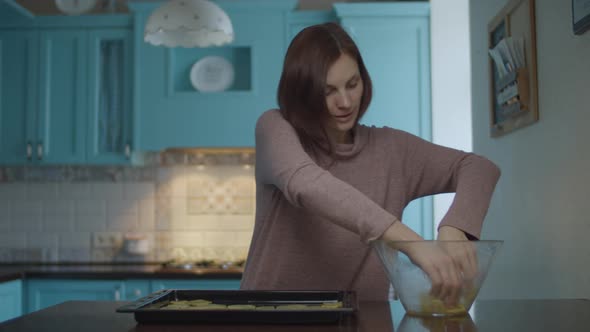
107	240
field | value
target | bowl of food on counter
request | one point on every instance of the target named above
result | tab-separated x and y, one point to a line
412	285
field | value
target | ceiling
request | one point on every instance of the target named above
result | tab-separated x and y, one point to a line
47	7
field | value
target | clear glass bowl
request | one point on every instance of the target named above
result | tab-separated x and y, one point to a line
412	285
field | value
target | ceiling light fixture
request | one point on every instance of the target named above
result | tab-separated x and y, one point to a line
189	23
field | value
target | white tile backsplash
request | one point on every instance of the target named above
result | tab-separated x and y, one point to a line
58	215
58	207
110	191
26	216
90	224
122	215
41	240
5	215
69	240
138	191
146	215
13	240
187	239
42	191
58	223
13	191
196	213
218	239
74	190
91	207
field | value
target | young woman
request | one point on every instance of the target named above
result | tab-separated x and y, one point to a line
327	186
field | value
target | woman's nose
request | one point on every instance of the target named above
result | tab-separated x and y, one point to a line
343	99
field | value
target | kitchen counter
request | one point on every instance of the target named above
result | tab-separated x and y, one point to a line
487	316
10	272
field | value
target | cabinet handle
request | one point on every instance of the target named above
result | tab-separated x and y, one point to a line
128	150
29	151
117	294
40	150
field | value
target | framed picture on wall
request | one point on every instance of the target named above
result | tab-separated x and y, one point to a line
513	87
580	16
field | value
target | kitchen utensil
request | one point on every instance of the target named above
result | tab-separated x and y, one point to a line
136	244
412	285
279	307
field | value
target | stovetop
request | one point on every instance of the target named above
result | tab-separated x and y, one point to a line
205	264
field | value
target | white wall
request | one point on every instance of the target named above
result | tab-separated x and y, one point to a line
540	207
451	86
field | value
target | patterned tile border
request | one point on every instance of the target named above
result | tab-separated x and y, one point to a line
77	174
146	172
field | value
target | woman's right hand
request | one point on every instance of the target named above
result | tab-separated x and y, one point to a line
442	270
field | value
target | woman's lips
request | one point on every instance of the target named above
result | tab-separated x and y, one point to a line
343	118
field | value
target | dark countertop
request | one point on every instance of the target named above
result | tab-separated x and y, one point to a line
10	272
487	316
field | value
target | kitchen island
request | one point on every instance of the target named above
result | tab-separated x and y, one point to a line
486	316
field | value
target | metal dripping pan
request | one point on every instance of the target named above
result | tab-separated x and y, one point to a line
242	306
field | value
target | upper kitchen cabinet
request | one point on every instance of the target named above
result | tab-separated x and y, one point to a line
65	91
110	126
298	20
18	71
59	120
394	41
171	112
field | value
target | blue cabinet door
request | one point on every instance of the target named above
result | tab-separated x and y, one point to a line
134	289
298	20
109	96
18	79
10	299
61	123
44	293
394	41
170	112
203	284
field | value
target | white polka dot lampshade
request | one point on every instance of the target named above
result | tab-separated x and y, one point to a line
189	23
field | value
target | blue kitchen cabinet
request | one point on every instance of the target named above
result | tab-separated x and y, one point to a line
10	299
110	127
394	40
298	20
42	108
65	95
170	112
201	284
18	72
136	288
42	293
61	105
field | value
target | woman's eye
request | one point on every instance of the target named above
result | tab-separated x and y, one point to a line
353	85
329	92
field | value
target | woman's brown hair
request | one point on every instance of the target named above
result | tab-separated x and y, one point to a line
301	95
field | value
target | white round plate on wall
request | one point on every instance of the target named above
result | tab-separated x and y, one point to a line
212	74
75	7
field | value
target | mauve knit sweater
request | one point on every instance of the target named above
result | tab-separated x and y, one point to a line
313	227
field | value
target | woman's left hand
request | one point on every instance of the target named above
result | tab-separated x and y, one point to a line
464	254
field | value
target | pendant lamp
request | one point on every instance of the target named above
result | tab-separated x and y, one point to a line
189	23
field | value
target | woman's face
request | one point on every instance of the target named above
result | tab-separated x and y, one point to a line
344	90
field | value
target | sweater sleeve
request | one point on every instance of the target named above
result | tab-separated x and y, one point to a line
433	169
281	161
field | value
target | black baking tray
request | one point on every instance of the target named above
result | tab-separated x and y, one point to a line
147	309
